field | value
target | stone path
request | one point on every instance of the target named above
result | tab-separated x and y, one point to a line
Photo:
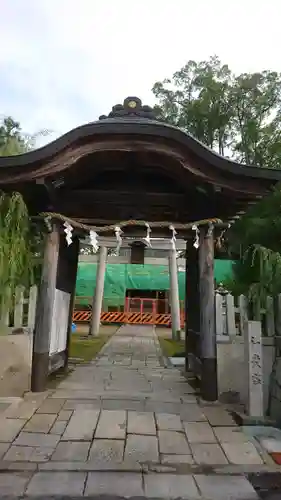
125	425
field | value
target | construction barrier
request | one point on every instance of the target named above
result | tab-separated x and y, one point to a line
126	317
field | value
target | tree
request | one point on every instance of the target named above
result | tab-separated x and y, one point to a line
20	241
13	141
198	99
236	115
239	116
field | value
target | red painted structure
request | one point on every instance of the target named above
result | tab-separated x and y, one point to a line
137	311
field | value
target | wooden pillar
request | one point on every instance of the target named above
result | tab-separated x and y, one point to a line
44	312
209	386
54	308
192	306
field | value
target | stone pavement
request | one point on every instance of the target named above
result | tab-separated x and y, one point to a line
127	425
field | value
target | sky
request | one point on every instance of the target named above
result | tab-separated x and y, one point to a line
65	62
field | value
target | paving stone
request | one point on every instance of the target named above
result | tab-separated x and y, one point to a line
21	466
3	448
218	416
123	404
168	422
170	486
80	394
51	406
165	397
141	448
28	454
19	453
71	450
192	413
199	432
188	398
141	423
225	487
41	454
177	459
107	450
9	429
81	426
34	439
64	415
162	407
173	443
230	435
39	423
112	425
24	410
241	453
92	466
124	484
57	483
58	427
76	404
211	454
14	484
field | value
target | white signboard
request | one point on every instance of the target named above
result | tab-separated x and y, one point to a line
59	322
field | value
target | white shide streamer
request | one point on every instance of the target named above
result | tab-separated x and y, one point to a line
118	231
197	232
173	239
68	232
148	231
94	240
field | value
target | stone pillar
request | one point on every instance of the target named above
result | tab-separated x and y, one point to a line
253	365
98	295
192	307
208	347
44	313
174	295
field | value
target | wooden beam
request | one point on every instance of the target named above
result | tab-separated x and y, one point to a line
44	313
192	308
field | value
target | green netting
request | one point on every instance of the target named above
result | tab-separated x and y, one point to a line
120	277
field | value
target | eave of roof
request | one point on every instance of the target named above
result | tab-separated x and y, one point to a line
138	126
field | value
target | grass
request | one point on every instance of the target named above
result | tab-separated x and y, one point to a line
85	349
171	348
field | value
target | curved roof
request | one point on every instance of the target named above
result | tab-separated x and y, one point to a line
132	119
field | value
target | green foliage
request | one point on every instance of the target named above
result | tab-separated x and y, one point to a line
20	241
239	116
16	257
13	141
236	115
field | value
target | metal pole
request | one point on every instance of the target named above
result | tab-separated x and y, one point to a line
98	296
174	291
209	385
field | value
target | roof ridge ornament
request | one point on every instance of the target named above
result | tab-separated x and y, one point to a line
132	107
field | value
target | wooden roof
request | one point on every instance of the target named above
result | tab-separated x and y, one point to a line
130	165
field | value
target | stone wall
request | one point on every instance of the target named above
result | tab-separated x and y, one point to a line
232	370
15	364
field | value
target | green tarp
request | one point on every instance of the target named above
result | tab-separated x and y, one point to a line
120	277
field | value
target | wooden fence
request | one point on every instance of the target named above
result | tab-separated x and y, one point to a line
21	312
232	315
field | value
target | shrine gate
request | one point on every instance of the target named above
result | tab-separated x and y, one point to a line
124	172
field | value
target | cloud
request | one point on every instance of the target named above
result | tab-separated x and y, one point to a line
63	62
